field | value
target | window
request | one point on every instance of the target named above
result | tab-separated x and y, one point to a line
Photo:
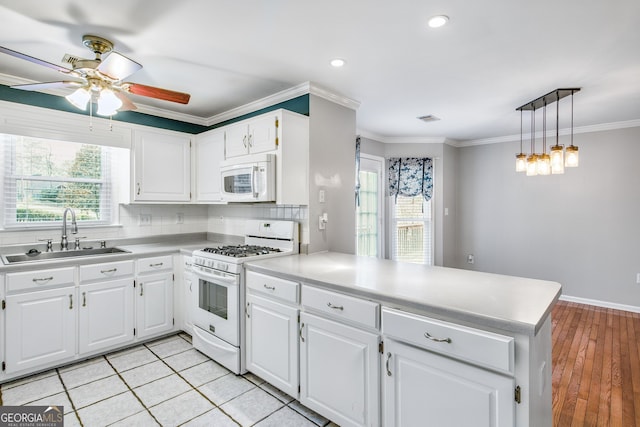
42	177
369	210
411	229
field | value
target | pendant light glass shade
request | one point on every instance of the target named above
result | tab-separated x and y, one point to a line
532	165
557	159
571	158
79	98
521	162
108	103
544	164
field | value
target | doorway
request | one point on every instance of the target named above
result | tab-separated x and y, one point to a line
370	210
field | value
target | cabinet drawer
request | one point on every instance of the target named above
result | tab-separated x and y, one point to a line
154	264
273	286
107	270
341	306
40	279
474	345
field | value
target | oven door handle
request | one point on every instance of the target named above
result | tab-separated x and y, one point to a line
224	279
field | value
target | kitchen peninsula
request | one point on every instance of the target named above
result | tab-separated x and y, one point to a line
388	343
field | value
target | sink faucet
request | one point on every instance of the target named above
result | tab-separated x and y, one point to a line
64	244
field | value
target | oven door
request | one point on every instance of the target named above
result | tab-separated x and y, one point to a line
217	303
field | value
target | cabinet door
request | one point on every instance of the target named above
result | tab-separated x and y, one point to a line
161	167
236	140
263	133
154	304
105	314
272	343
426	389
208	155
40	328
339	371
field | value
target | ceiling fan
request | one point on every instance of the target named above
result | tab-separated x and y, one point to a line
100	80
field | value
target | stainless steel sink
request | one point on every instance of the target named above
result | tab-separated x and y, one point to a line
43	256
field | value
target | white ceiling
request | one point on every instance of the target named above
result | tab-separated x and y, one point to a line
492	57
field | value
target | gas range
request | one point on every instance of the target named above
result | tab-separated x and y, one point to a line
262	239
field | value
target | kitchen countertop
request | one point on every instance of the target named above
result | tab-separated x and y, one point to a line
507	303
135	250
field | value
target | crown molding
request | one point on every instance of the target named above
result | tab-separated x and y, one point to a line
401	139
550	133
336	98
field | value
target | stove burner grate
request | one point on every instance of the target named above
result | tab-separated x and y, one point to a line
239	251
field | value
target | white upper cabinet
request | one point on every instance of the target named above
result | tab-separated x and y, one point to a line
209	152
256	135
161	166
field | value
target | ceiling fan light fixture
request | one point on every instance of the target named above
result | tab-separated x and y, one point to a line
79	98
108	103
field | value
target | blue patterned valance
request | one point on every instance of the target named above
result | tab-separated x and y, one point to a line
411	176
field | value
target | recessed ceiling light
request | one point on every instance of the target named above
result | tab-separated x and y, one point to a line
338	62
438	21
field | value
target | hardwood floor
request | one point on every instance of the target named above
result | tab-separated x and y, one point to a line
596	366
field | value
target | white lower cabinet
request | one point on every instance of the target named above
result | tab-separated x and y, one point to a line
339	371
105	314
40	328
422	388
435	373
154	296
272	342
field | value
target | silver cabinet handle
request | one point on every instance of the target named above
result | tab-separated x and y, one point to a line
84	299
335	307
271	288
434	339
141	289
70	301
301	327
138	192
42	279
158	264
111	270
250	138
388	360
246	310
244	141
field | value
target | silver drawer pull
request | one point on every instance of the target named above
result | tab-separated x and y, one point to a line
70	301
112	270
434	339
388	360
335	307
42	279
271	288
84	299
158	264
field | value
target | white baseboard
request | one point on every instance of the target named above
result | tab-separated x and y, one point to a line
599	303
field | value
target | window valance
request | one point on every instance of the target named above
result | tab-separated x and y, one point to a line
411	176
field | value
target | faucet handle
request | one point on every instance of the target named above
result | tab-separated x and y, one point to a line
77	243
49	244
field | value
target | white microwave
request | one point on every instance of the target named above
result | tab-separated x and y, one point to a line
249	178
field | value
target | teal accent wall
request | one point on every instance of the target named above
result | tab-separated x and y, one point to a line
299	105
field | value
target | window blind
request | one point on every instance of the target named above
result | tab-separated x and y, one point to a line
42	177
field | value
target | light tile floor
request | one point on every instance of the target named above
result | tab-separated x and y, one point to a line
164	382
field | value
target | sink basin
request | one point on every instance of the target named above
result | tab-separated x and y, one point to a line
43	256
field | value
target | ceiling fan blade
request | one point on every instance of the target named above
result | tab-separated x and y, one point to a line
156	92
48	85
127	105
118	66
34	60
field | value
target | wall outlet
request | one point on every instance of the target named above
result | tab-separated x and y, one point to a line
144	219
179	218
471	259
321	196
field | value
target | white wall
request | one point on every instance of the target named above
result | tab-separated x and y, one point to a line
332	151
581	229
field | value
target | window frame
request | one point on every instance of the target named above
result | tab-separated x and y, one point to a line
428	224
10	179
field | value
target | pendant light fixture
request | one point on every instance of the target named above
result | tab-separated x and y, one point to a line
557	160
521	158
